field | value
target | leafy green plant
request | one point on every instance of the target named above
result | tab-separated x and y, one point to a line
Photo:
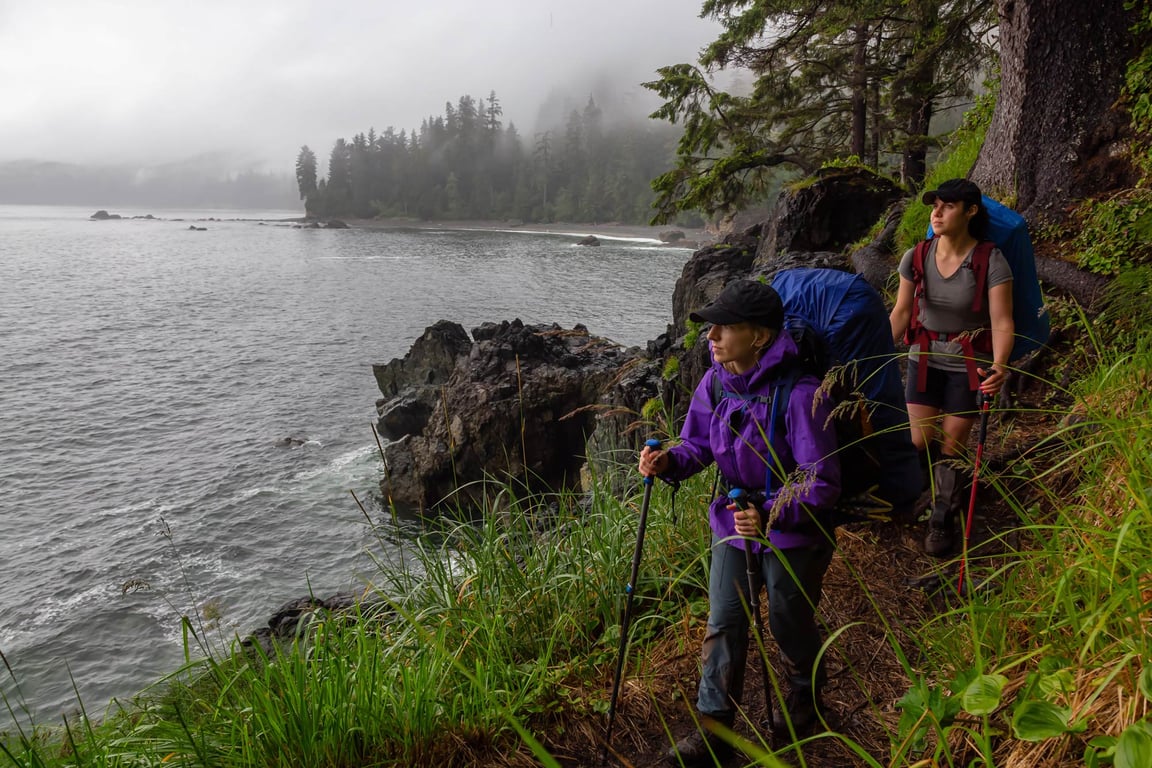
1114	234
1138	84
692	333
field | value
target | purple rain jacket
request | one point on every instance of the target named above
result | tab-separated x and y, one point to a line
807	441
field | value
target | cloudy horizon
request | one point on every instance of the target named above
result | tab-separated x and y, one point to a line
161	82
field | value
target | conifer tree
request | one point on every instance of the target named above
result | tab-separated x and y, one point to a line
306	173
820	67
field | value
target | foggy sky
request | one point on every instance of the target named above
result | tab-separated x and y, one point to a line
160	80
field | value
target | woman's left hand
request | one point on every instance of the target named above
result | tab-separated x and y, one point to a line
747	520
993	379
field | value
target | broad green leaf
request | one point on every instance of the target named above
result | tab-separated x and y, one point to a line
1100	751
1051	664
1057	682
1145	683
1037	720
982	696
1134	749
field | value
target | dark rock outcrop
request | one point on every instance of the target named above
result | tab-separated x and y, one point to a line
875	261
828	214
515	406
295	617
589	240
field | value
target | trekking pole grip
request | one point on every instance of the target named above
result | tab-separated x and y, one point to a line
654	444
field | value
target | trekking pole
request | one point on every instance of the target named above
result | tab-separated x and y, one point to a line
628	592
982	435
740	498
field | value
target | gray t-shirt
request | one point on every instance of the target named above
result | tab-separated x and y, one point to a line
947	307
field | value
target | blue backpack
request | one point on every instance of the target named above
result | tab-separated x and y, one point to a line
1008	230
840	325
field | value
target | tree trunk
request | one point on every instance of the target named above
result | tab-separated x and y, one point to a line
860	91
1055	135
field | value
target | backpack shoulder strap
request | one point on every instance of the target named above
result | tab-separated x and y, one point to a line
980	258
781	396
919	254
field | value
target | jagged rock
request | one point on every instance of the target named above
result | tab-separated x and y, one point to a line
588	240
429	363
103	215
335	224
403	416
293	619
514	405
833	211
877	261
796	259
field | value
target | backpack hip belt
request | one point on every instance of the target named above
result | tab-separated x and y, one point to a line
971	342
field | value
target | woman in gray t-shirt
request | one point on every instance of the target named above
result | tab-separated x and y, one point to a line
967	337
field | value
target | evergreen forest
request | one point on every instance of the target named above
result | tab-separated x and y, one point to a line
468	165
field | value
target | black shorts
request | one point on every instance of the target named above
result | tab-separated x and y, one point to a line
946	390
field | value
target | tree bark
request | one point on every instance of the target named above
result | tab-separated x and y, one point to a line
1056	132
920	94
860	91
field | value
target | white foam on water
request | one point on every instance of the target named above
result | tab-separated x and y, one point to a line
249	493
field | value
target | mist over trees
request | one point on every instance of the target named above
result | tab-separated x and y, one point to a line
196	183
467	164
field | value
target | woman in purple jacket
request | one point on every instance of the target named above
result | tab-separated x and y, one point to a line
797	480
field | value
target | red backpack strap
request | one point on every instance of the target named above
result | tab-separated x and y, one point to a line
980	258
919	254
917	333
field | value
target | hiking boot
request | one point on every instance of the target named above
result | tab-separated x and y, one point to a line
802	707
702	747
939	541
947	506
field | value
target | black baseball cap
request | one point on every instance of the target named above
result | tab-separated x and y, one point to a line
954	191
744	301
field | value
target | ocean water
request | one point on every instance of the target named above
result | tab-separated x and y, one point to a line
149	375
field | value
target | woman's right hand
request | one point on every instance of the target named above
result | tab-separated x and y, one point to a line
653	462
